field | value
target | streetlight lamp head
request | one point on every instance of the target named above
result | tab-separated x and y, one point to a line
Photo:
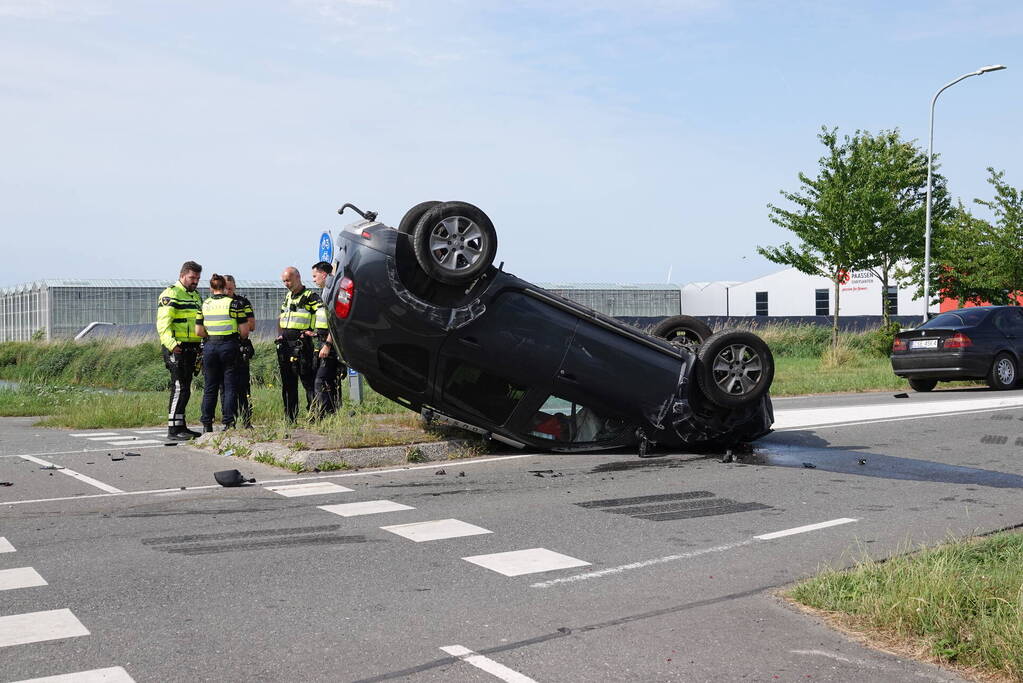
993	67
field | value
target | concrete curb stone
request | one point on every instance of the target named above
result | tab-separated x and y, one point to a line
355	458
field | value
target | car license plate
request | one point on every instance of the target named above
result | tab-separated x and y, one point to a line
923	344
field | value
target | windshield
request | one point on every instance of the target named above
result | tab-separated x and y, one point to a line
964	317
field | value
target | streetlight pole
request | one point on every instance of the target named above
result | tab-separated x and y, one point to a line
930	165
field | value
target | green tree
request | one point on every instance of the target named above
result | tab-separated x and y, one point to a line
978	261
833	217
895	197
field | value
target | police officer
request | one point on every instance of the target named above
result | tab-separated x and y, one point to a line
222	323
328	363
295	330
242	376
176	312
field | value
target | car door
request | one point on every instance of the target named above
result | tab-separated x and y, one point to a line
619	375
1009	322
490	364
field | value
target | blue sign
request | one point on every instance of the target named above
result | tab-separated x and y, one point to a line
352	372
326	248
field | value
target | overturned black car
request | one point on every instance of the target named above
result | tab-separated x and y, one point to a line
424	315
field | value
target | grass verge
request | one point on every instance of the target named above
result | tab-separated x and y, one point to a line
960	603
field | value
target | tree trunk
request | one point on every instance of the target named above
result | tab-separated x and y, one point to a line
885	317
834	326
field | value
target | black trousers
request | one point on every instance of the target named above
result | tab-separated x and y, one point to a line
295	358
219	360
243	385
181	367
325	384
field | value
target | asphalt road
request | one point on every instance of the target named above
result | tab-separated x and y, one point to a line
521	567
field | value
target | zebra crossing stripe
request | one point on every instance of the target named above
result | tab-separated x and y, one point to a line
91	434
35	627
21	577
5	545
114	674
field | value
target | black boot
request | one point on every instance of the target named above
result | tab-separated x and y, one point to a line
207	428
176	434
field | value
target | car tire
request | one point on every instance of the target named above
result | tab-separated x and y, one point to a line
683	330
454	242
412	216
922	385
734	368
1004	372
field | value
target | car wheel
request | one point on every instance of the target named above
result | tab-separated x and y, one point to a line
454	242
922	384
683	330
412	216
1003	372
734	368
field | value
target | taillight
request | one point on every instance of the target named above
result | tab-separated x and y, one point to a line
899	345
345	294
366	234
958	341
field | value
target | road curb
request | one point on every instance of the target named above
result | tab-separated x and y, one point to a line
344	458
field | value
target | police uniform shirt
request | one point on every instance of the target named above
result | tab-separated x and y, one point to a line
176	313
246	307
298	313
236	311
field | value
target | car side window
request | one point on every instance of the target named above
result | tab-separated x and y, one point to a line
562	420
481	392
1009	321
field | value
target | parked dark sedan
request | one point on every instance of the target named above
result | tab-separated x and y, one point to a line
983	342
424	315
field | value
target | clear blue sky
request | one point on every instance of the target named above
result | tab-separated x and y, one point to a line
609	141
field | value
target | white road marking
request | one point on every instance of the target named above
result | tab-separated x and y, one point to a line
35	627
436	530
71	473
290	480
151	431
487	664
695	553
315	488
21	577
114	674
77	451
804	529
106	437
529	561
639	565
93	434
136	442
5	545
366	507
797	418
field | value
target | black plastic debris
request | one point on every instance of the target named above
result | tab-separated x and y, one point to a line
901	395
231	478
171	443
809	465
544	473
440	472
862	461
116	458
51	467
130	454
6	483
461	474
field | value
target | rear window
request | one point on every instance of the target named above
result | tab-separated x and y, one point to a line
966	317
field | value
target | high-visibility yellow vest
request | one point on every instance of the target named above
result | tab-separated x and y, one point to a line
218	317
177	309
321	319
298	310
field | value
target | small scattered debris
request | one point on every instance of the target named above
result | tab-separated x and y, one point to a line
231	478
172	443
809	465
115	458
901	395
862	461
231	452
545	473
130	453
440	472
461	474
52	467
728	456
6	483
